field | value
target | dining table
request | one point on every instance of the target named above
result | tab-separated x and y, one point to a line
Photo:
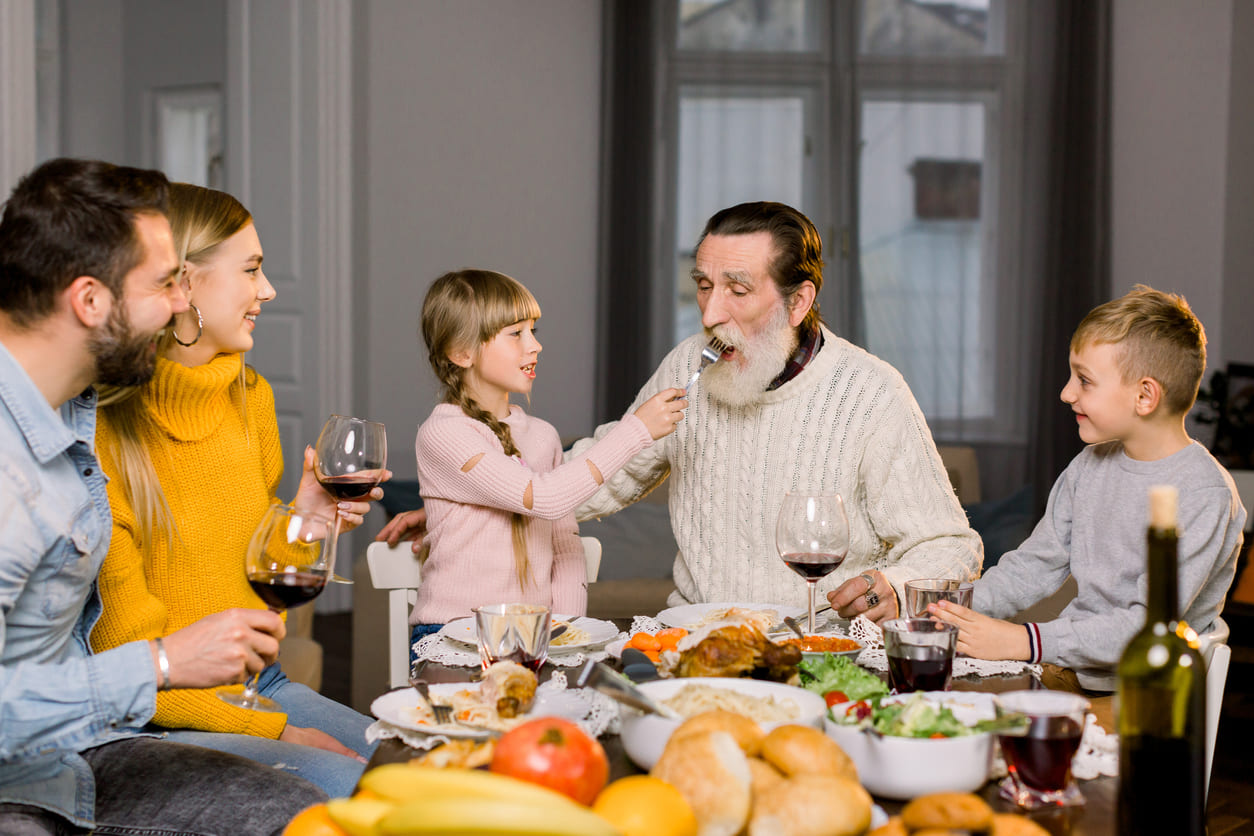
1096	817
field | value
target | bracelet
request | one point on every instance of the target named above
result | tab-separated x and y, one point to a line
163	665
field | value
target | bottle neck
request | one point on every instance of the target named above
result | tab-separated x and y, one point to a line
1162	602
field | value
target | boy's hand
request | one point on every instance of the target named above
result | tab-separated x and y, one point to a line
983	637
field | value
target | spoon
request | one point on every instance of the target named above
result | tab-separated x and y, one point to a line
601	677
558	630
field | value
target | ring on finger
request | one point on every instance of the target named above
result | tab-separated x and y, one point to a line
872	598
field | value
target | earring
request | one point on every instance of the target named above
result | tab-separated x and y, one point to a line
200	329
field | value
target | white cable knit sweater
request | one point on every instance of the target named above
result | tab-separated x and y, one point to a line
847	423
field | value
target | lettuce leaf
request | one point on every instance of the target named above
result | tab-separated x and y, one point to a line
839	673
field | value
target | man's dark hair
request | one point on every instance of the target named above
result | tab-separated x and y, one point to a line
71	218
798	254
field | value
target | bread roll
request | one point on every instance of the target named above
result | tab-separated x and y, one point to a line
796	750
893	827
947	810
712	773
1009	824
763	778
747	733
812	805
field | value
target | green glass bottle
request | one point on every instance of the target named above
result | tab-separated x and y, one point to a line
1162	701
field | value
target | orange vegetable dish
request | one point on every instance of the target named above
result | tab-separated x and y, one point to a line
825	644
653	644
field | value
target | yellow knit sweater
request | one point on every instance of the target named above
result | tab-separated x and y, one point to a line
218	478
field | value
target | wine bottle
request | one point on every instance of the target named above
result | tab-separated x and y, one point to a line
1162	700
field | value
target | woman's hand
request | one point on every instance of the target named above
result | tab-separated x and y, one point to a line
314	497
662	412
317	739
407	525
982	636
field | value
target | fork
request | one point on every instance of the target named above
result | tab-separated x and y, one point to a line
443	713
709	355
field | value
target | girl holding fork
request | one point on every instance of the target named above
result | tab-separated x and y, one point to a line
500	503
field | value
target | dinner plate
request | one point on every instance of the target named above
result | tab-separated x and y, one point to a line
463	631
690	615
399	708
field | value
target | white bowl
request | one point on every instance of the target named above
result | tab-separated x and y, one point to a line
644	736
906	767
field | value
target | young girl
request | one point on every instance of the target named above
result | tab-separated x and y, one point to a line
194	460
500	504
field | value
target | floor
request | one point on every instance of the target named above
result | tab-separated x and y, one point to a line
1231	805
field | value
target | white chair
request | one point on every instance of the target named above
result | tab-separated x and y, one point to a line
397	570
1217	654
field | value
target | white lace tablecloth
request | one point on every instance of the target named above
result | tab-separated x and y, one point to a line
444	651
599	716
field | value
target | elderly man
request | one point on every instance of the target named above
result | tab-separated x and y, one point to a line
790	407
87	280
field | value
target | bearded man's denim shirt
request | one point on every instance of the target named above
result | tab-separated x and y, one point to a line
57	698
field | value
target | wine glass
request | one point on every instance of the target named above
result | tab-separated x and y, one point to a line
812	536
350	459
287	565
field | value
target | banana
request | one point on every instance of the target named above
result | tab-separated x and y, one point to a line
359	816
481	816
402	783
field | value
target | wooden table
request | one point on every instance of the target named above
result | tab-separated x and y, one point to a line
1095	818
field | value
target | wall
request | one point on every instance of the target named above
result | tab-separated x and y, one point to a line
478	147
1170	156
481	149
1238	288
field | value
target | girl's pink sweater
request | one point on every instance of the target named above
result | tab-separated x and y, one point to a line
471	561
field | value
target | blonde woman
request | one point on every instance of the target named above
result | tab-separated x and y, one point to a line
194	460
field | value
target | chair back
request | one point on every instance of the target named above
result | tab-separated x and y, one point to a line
396	569
592	556
1216	679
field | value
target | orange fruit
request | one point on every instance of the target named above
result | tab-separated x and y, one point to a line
641	805
313	821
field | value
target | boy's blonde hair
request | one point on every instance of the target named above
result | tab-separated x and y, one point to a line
1159	337
463	311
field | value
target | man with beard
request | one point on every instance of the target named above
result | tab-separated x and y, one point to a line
789	407
87	281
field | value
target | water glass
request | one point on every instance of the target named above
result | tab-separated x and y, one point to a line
924	591
920	654
1039	758
513	632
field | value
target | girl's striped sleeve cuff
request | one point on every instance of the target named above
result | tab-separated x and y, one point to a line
1034	642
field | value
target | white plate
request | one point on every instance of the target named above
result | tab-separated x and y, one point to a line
398	708
690	615
463	631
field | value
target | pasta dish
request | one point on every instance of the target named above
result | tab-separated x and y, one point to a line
692	700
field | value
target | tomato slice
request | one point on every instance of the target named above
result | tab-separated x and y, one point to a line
835	698
859	710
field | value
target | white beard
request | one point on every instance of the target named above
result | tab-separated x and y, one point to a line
764	356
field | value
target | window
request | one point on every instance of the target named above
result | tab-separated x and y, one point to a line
895	125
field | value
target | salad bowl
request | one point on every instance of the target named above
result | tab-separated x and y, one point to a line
903	760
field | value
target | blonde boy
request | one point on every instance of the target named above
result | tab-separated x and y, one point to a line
1136	363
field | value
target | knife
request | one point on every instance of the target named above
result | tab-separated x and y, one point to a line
637	667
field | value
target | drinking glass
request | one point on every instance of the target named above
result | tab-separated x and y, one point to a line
350	459
513	632
1039	758
812	536
924	591
920	653
287	565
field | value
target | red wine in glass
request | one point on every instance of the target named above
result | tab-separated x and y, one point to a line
351	487
812	536
812	566
350	459
280	590
919	669
287	564
1042	757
